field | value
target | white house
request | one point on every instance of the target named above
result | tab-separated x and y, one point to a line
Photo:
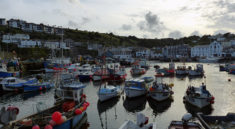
51	44
16	38
49	29
55	45
176	51
58	31
3	21
16	23
143	53
155	55
29	44
38	27
213	50
200	51
28	27
121	53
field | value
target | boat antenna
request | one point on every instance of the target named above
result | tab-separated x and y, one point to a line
115	111
106	120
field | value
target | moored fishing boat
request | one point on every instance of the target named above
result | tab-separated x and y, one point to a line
144	64
185	123
84	73
232	71
164	72
37	86
141	123
15	84
102	74
118	74
181	70
222	67
156	66
127	62
135	88
108	92
160	91
5	73
171	70
198	96
73	67
137	70
69	113
217	122
198	71
148	79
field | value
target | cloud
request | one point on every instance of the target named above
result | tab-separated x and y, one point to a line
222	15
61	13
126	27
85	20
228	5
73	24
196	33
73	1
226	21
220	32
175	34
151	24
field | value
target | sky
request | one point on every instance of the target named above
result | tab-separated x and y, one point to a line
140	18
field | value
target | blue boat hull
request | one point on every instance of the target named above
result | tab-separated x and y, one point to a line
17	87
28	88
232	72
83	78
71	123
9	74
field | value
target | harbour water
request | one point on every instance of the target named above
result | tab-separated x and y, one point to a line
111	114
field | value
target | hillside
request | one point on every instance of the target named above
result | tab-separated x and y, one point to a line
109	39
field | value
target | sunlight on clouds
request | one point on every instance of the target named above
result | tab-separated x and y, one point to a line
109	16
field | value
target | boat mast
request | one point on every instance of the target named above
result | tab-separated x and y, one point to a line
61	42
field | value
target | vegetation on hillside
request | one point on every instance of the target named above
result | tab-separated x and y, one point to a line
109	39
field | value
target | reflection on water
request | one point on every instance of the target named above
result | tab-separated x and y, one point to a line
98	83
103	107
106	105
159	107
194	110
10	97
113	113
14	96
135	104
33	94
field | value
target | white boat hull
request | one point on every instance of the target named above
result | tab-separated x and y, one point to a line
134	92
160	96
104	97
198	102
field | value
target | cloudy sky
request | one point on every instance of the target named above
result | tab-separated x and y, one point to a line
142	18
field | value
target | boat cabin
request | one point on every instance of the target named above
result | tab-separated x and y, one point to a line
140	83
11	80
71	89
